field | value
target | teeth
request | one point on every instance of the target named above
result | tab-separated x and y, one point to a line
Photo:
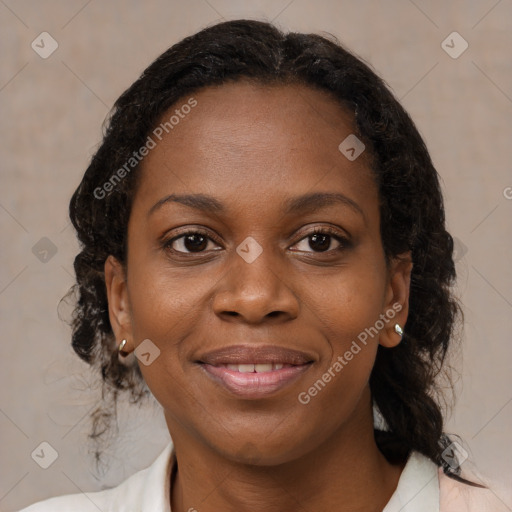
258	368
263	368
245	368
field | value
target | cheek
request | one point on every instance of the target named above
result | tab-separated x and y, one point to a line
167	310
344	372
164	300
338	385
164	312
348	304
349	330
347	310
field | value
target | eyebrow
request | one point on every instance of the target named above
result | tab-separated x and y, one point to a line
201	202
317	200
306	203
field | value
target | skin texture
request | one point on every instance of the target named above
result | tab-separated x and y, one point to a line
253	147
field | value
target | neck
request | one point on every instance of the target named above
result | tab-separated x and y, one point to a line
345	473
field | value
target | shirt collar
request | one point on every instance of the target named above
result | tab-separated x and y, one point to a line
157	487
418	487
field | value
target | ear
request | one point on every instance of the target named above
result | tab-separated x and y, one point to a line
396	307
118	303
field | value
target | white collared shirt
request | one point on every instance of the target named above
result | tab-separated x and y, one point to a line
418	487
422	487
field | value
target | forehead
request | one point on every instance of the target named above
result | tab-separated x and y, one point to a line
254	141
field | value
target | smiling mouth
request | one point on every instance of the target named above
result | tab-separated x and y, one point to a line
253	371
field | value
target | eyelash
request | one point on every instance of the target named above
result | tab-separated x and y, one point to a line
344	242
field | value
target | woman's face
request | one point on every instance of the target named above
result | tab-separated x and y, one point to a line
256	275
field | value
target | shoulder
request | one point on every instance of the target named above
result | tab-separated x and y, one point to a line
114	499
457	496
146	491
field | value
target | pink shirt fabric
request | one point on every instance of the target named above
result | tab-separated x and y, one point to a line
422	487
456	496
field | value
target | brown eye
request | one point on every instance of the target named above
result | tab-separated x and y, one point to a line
320	240
190	242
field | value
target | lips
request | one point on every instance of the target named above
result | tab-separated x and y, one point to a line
252	372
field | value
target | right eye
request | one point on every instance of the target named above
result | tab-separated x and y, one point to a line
193	241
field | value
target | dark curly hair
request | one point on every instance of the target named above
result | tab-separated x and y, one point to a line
403	380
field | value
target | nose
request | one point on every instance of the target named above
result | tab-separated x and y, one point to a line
255	292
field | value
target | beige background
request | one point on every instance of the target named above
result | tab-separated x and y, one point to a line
52	110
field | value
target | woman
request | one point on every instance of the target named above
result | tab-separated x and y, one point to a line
263	247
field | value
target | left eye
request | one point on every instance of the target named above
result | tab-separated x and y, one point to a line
320	241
